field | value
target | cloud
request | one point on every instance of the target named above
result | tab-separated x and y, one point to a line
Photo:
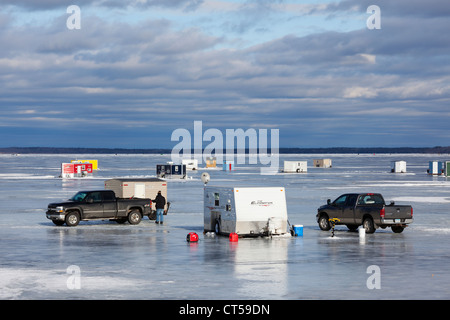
145	79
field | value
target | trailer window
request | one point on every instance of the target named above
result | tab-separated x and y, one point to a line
216	199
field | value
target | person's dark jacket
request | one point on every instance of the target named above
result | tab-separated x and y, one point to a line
160	202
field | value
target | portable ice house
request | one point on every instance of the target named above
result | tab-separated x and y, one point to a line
398	166
436	168
247	211
228	165
170	170
295	166
322	163
447	168
75	170
146	188
191	164
211	162
94	163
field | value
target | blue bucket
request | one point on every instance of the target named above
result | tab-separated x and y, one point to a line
297	230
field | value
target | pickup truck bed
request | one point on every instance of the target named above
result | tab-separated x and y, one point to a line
366	209
98	205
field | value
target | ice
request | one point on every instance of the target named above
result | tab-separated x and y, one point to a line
150	261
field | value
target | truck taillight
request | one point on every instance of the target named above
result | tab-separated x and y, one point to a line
382	212
411	212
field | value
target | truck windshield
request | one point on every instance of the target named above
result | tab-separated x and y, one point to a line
78	197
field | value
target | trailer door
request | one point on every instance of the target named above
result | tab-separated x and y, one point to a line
139	191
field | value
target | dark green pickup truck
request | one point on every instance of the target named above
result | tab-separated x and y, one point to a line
98	205
366	209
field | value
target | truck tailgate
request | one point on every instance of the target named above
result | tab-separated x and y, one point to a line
398	212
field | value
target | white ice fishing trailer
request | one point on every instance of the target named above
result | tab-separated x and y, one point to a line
248	211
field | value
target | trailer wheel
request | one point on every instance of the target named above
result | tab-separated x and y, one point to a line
72	219
368	225
217	227
134	217
324	224
397	229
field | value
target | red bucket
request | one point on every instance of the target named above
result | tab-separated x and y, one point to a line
192	237
234	237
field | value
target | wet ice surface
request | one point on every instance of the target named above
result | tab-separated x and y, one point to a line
149	261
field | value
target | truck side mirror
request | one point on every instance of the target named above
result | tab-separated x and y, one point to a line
90	200
328	201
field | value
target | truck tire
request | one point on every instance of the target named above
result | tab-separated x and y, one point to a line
368	225
72	219
324	224
397	229
134	217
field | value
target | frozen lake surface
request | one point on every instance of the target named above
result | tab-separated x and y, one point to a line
150	261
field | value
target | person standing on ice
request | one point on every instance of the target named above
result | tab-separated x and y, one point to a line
160	202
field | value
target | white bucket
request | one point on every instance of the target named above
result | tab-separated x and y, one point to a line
362	232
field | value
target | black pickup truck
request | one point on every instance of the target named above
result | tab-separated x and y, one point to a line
98	205
366	209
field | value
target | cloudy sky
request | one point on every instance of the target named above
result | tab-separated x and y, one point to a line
139	69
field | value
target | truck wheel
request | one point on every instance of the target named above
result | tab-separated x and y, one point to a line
134	217
397	229
72	219
324	224
368	225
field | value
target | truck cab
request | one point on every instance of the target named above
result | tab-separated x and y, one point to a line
366	209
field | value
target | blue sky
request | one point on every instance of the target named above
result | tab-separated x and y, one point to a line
139	69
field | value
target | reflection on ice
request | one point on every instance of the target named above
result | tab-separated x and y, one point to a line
150	261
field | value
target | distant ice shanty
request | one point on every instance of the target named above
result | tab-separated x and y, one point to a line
228	165
191	164
94	163
447	168
247	211
295	166
170	170
398	166
75	170
436	168
322	163
144	188
211	162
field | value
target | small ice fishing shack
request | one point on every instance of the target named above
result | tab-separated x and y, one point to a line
295	166
144	188
191	164
247	211
398	166
322	163
436	168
